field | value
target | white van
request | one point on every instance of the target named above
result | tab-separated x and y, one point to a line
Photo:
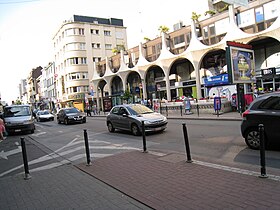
18	118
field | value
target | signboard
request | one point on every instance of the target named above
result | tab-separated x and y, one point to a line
217	103
221	79
107	103
242	63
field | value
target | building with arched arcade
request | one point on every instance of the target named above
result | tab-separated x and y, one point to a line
184	61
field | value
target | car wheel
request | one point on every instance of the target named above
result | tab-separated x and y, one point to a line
84	120
252	138
66	122
135	130
110	127
58	121
32	131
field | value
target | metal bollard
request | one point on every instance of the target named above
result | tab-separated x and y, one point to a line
262	151
144	137
197	109
189	159
166	110
181	110
25	162
87	147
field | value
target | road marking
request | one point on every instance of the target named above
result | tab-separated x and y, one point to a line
4	155
75	142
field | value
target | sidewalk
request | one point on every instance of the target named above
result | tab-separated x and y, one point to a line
64	187
167	181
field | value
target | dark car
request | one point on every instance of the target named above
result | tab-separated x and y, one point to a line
70	115
265	110
130	116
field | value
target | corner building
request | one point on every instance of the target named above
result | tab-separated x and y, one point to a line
191	61
78	44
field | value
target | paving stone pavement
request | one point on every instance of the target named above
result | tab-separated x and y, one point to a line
162	183
64	187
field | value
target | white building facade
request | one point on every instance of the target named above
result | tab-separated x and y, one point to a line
78	44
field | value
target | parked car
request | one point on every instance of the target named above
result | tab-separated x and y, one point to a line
45	115
70	115
130	116
18	118
265	110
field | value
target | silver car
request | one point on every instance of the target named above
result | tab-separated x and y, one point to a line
130	116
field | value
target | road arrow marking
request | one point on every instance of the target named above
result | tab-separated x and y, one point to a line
4	155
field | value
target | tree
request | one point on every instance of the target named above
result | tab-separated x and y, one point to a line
126	95
195	16
147	39
163	29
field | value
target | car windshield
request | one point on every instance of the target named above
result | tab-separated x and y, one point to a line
44	113
139	109
17	111
74	110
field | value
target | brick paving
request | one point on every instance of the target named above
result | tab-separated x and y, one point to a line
163	184
64	187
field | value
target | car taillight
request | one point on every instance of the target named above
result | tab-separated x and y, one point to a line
244	114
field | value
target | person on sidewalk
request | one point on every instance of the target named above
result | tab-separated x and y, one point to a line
2	130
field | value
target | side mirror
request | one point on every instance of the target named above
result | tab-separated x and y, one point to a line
124	115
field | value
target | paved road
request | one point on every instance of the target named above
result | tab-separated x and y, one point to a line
137	180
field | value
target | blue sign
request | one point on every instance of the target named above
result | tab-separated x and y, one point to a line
221	79
217	103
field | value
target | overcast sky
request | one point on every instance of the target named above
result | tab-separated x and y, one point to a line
27	28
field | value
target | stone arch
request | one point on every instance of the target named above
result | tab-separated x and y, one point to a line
182	79
134	84
117	90
155	82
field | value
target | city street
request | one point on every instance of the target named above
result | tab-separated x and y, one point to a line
55	144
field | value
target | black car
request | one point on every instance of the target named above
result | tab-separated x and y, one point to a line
70	115
265	110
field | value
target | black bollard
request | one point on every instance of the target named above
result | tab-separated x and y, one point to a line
87	147
25	162
166	110
197	109
262	151
144	137
189	159
181	110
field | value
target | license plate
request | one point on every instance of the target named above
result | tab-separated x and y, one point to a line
17	130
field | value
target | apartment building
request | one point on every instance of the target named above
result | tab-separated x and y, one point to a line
191	61
78	44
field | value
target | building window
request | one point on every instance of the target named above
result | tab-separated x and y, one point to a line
179	39
95	45
94	31
76	60
74	31
108	46
107	33
83	60
96	59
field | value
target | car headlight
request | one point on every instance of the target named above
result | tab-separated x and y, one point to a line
164	119
147	122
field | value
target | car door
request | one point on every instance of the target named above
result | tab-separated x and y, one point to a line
123	119
114	117
271	117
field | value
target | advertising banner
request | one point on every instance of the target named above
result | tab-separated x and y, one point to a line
242	63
